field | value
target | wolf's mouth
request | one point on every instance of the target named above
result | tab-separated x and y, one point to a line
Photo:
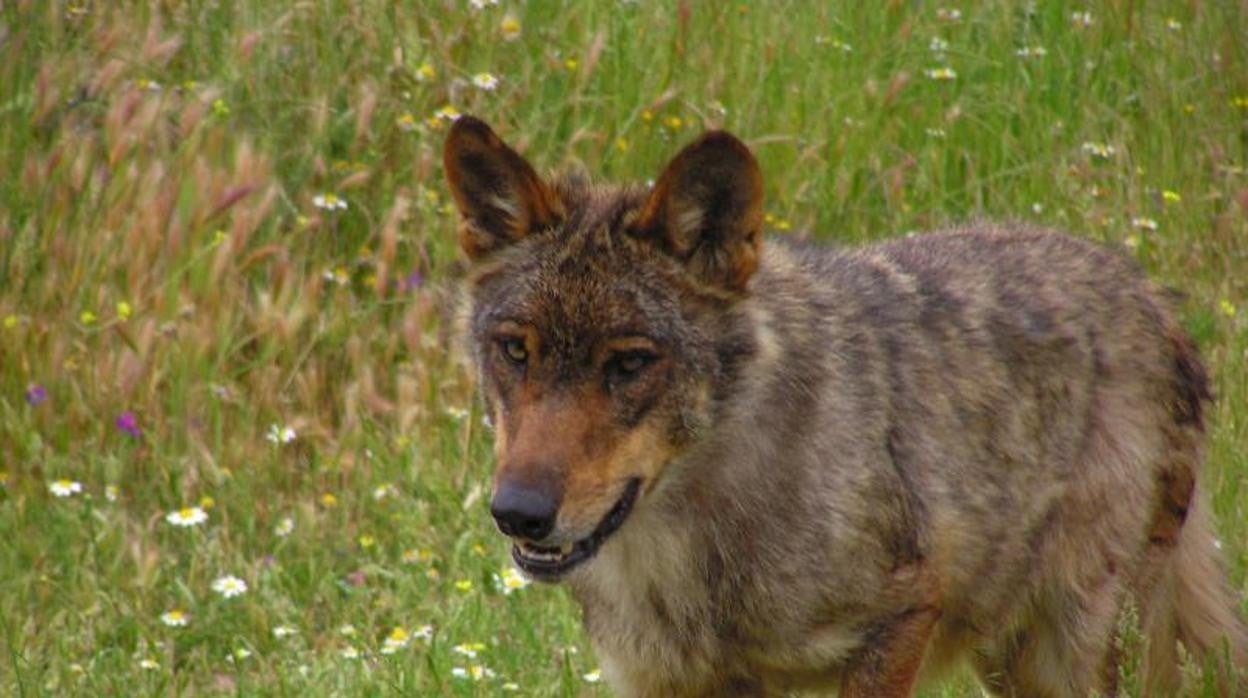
548	564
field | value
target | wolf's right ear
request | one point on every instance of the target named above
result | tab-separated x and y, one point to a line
500	197
706	209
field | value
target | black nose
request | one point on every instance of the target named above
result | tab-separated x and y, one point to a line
524	511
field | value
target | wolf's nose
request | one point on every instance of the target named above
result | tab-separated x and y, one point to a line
524	512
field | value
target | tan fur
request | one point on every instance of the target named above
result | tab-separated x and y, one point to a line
857	467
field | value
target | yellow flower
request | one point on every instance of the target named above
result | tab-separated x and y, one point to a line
405	122
1171	197
509	27
571	64
1227	307
207	502
1240	102
425	72
86	317
367	541
464	585
218	237
175	618
647	115
10	322
621	144
673	122
328	500
220	108
123	311
941	74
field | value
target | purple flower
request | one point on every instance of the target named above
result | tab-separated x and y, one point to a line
36	395
128	423
412	282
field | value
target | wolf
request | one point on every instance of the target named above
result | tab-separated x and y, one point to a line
764	467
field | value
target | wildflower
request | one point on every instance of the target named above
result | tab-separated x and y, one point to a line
1173	24
36	395
206	502
621	144
110	493
149	85
592	677
1082	19
383	491
229	586
1171	197
510	581
284	631
284	527
425	72
935	132
424	633
941	74
175	618
1032	52
86	317
480	4
149	664
412	557
464	586
647	115
1037	208
1227	307
485	81
10	322
1143	223
571	64
218	237
1100	151
338	275
220	109
1240	102
938	45
350	652
405	122
329	202
456	413
510	686
395	641
128	423
447	113
65	488
468	649
346	630
124	311
280	435
509	27
187	517
328	500
947	14
673	122
476	672
366	541
239	654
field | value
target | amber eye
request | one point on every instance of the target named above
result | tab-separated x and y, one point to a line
514	349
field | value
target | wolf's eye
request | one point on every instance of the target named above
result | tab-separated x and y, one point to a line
514	349
626	365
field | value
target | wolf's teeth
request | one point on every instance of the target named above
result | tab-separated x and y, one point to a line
566	548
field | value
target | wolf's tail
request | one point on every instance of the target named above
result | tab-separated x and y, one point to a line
1189	601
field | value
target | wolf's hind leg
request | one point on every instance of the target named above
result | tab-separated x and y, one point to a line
1065	649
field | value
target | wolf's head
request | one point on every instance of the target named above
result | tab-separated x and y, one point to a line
596	317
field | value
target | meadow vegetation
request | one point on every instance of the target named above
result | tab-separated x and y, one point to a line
238	453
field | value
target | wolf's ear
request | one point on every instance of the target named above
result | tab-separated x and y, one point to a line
706	209
500	198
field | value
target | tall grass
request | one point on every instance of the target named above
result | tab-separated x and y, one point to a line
171	293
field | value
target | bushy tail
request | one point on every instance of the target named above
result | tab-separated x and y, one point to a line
1193	605
1189	602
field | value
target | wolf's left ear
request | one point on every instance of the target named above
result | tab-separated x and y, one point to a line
500	197
706	209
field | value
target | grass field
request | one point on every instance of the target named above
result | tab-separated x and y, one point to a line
223	227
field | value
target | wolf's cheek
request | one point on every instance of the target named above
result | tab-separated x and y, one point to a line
592	488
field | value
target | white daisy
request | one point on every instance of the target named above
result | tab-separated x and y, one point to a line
229	586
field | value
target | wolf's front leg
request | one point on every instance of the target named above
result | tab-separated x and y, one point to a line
888	665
